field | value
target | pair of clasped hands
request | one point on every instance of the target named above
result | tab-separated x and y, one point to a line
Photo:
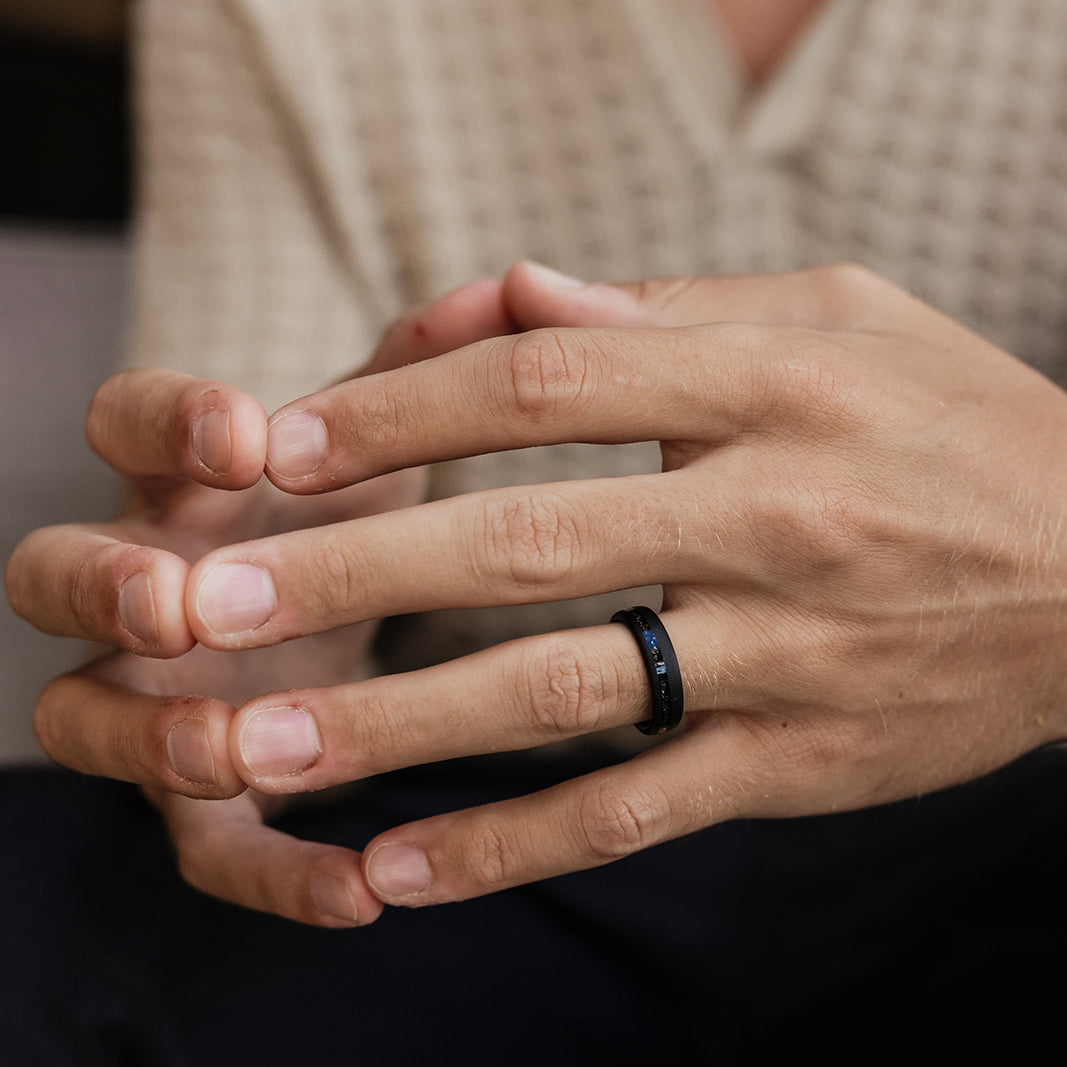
858	528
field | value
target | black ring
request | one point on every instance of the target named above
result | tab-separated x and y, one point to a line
664	674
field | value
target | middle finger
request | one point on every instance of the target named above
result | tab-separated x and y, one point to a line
508	546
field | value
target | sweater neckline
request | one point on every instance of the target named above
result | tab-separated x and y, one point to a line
706	85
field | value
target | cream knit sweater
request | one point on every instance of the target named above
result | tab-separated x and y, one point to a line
309	169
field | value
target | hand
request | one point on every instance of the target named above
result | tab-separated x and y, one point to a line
182	442
858	530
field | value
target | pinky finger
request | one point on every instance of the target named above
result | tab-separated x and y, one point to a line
225	850
671	791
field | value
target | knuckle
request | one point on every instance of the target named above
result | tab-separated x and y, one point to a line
617	821
373	417
375	739
810	380
823	745
136	751
565	694
822	760
547	373
750	371
846	276
333	580
850	295
82	602
365	416
835	525
813	528
532	539
490	862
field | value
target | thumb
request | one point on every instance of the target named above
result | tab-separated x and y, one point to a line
537	296
821	298
473	312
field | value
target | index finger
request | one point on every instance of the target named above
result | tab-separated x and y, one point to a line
150	423
548	386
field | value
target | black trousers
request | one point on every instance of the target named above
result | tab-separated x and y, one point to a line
911	932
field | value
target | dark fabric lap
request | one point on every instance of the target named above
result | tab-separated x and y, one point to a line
935	924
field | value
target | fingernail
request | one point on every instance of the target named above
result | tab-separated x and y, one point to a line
277	742
211	440
235	597
333	899
137	608
189	752
553	279
398	871
296	445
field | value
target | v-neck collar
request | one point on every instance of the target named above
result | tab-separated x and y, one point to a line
708	86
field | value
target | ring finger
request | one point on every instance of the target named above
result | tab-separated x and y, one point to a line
517	695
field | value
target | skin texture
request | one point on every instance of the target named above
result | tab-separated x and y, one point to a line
858	529
157	709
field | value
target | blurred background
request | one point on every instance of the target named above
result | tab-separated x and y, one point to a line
65	191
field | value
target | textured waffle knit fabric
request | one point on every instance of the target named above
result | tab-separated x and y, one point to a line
309	170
